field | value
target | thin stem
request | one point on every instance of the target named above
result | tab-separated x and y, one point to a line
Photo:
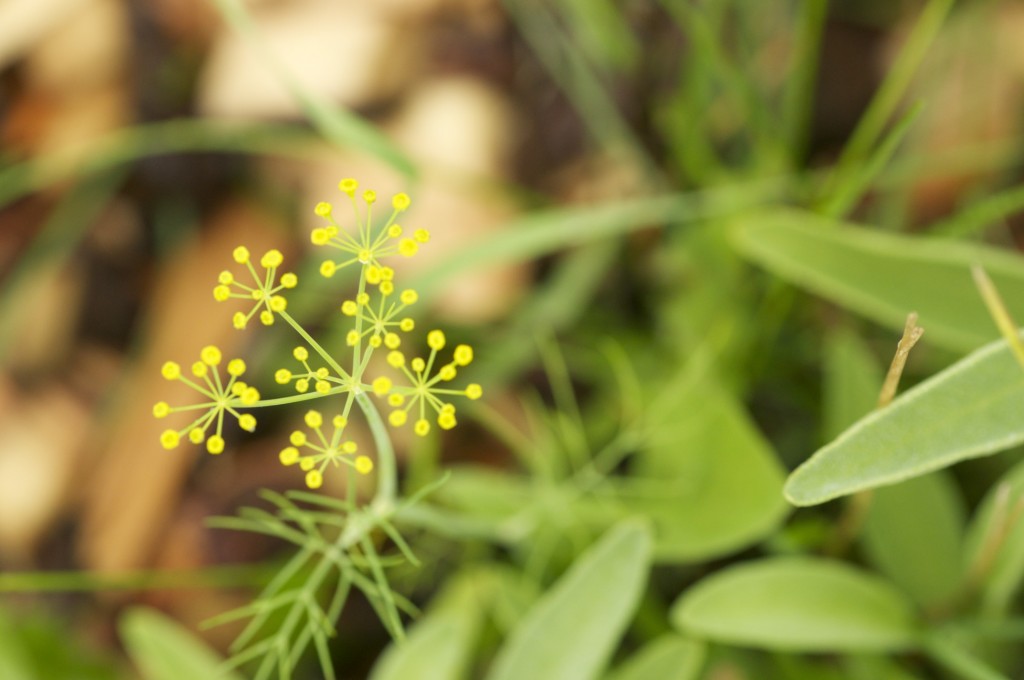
315	345
386	467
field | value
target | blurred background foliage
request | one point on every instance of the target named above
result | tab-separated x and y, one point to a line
643	220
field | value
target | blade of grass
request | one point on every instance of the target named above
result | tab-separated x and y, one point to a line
339	126
798	98
981	214
892	90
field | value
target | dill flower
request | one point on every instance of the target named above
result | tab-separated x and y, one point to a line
264	294
221	397
315	452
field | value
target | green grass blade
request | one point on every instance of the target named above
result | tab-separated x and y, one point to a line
339	126
798	99
981	214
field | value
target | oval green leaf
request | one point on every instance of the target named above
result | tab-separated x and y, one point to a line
797	605
885	276
574	628
914	535
971	409
670	657
163	649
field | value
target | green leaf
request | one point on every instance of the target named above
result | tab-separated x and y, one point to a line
708	480
439	645
885	276
670	657
164	650
971	409
797	604
853	379
573	629
1001	580
914	535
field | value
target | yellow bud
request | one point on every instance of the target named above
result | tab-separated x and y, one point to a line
409	297
225	278
267	317
169	439
394	231
250	396
289	456
422	427
297	438
170	370
327	269
215	444
370	196
387	273
396	359
373	276
300	353
314	480
236	367
382	386
322	372
348	185
314	419
395	399
349	447
240	254
278	304
374	341
221	293
199	369
196	435
364	465
322	386
418	365
323	209
363	299
289	280
307	463
401	201
421	235
339	422
237	388
392	340
271	258
332	231
407	247
349	308
407	324
319	236
463	355
210	355
446	421
247	422
302	386
387	288
447	372
435	340
474	391
397	418
239	321
282	376
352	338
161	409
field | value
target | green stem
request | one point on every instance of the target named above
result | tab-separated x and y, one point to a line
315	345
386	467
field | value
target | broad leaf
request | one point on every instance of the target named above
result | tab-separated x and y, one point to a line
914	535
971	409
573	629
707	478
163	650
798	605
885	276
670	657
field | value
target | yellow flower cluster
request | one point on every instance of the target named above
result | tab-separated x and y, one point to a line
371	244
221	397
426	390
323	451
265	293
420	392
